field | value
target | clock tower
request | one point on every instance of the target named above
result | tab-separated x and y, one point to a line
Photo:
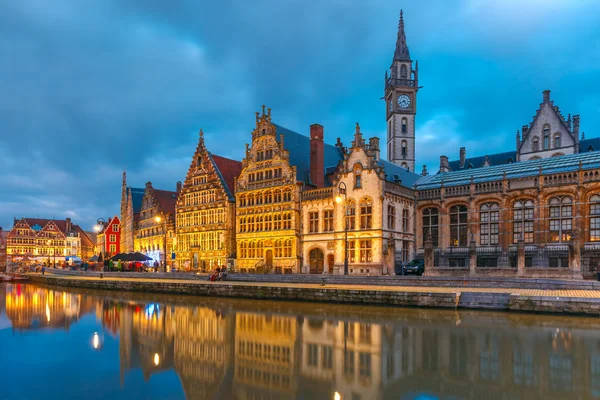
401	103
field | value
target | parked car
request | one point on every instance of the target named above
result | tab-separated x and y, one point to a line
416	266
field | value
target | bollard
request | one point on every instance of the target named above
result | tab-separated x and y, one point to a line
323	281
101	275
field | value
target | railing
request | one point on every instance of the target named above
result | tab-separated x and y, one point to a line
561	179
496	257
402	82
431	194
547	257
317	194
488	187
398	189
453	257
591	176
456	191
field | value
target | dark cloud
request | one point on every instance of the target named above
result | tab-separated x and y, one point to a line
91	88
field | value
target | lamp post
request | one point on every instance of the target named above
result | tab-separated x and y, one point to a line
99	227
53	254
158	219
343	189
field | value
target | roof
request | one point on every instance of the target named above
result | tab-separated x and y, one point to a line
299	147
395	173
137	195
85	240
166	199
594	143
476	162
42	222
228	170
523	169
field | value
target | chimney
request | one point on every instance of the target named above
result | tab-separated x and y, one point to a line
178	187
374	147
317	156
444	166
546	95
424	171
518	140
463	156
68	225
524	130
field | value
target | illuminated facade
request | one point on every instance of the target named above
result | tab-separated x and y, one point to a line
374	199
206	212
109	239
131	205
43	240
268	203
156	224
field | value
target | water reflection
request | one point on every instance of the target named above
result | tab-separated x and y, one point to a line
258	350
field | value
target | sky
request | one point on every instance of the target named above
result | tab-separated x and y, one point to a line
91	88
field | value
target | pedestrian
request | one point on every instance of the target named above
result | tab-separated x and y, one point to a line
43	270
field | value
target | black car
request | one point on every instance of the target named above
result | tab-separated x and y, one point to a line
416	266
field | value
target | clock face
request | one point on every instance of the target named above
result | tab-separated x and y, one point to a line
403	101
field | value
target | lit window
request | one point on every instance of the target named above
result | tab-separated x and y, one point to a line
561	218
458	225
365	251
488	224
351	215
328	221
523	221
391	217
595	218
313	222
366	214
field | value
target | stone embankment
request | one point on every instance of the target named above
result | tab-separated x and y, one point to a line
374	291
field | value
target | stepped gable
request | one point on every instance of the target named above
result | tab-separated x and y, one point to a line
166	199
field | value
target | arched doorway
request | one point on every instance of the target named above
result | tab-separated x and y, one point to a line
316	261
330	260
269	258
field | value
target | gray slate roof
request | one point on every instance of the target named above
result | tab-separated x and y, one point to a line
137	195
476	162
567	163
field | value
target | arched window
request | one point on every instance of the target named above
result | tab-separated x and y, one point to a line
366	214
561	218
287	249
595	218
351	215
404	125
489	215
405	221
431	224
244	250
259	224
403	72
536	144
277	196
557	140
243	224
391	217
252	250
251	199
258	198
287	195
546	137
523	221
404	148
357	176
268	222
259	249
268	197
458	225
251	224
278	248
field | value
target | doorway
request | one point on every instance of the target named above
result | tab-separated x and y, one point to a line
316	261
269	258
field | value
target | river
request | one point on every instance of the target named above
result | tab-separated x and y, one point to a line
57	344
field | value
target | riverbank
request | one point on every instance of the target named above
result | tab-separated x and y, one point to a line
509	299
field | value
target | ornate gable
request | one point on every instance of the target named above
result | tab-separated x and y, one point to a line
360	155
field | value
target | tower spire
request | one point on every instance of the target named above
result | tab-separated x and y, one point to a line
401	53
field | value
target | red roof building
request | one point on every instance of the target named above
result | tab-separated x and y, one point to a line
111	237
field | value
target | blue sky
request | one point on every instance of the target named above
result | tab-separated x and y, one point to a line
88	89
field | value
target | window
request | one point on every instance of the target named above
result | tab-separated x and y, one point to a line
287	249
328	221
349	362
546	137
112	238
313	355
277	222
405	221
115	228
287	195
357	181
557	140
405	251
277	196
313	222
430	225
364	365
403	72
391	217
458	225
268	222
404	125
351	215
365	251
287	221
268	197
489	215
561	221
327	357
595	218
351	251
523	221
536	144
404	148
278	248
366	214
113	248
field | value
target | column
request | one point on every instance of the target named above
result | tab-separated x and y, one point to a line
520	257
429	262
472	256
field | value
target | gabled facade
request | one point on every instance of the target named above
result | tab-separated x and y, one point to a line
377	208
131	204
151	235
206	212
111	237
268	203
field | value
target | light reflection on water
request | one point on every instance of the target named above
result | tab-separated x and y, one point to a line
107	345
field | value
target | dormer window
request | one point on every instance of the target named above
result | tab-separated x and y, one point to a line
557	141
357	181
546	137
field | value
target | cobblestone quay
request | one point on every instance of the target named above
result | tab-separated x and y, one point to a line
515	299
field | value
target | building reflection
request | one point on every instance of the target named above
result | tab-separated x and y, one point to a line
229	354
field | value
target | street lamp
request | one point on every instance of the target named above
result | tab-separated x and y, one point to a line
53	254
342	189
158	219
99	227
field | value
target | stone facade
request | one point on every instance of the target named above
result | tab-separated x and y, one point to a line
155	237
206	212
379	214
267	203
131	203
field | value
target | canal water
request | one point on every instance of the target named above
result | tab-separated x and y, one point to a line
76	344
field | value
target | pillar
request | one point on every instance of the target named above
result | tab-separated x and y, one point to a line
520	257
575	256
428	267
472	256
